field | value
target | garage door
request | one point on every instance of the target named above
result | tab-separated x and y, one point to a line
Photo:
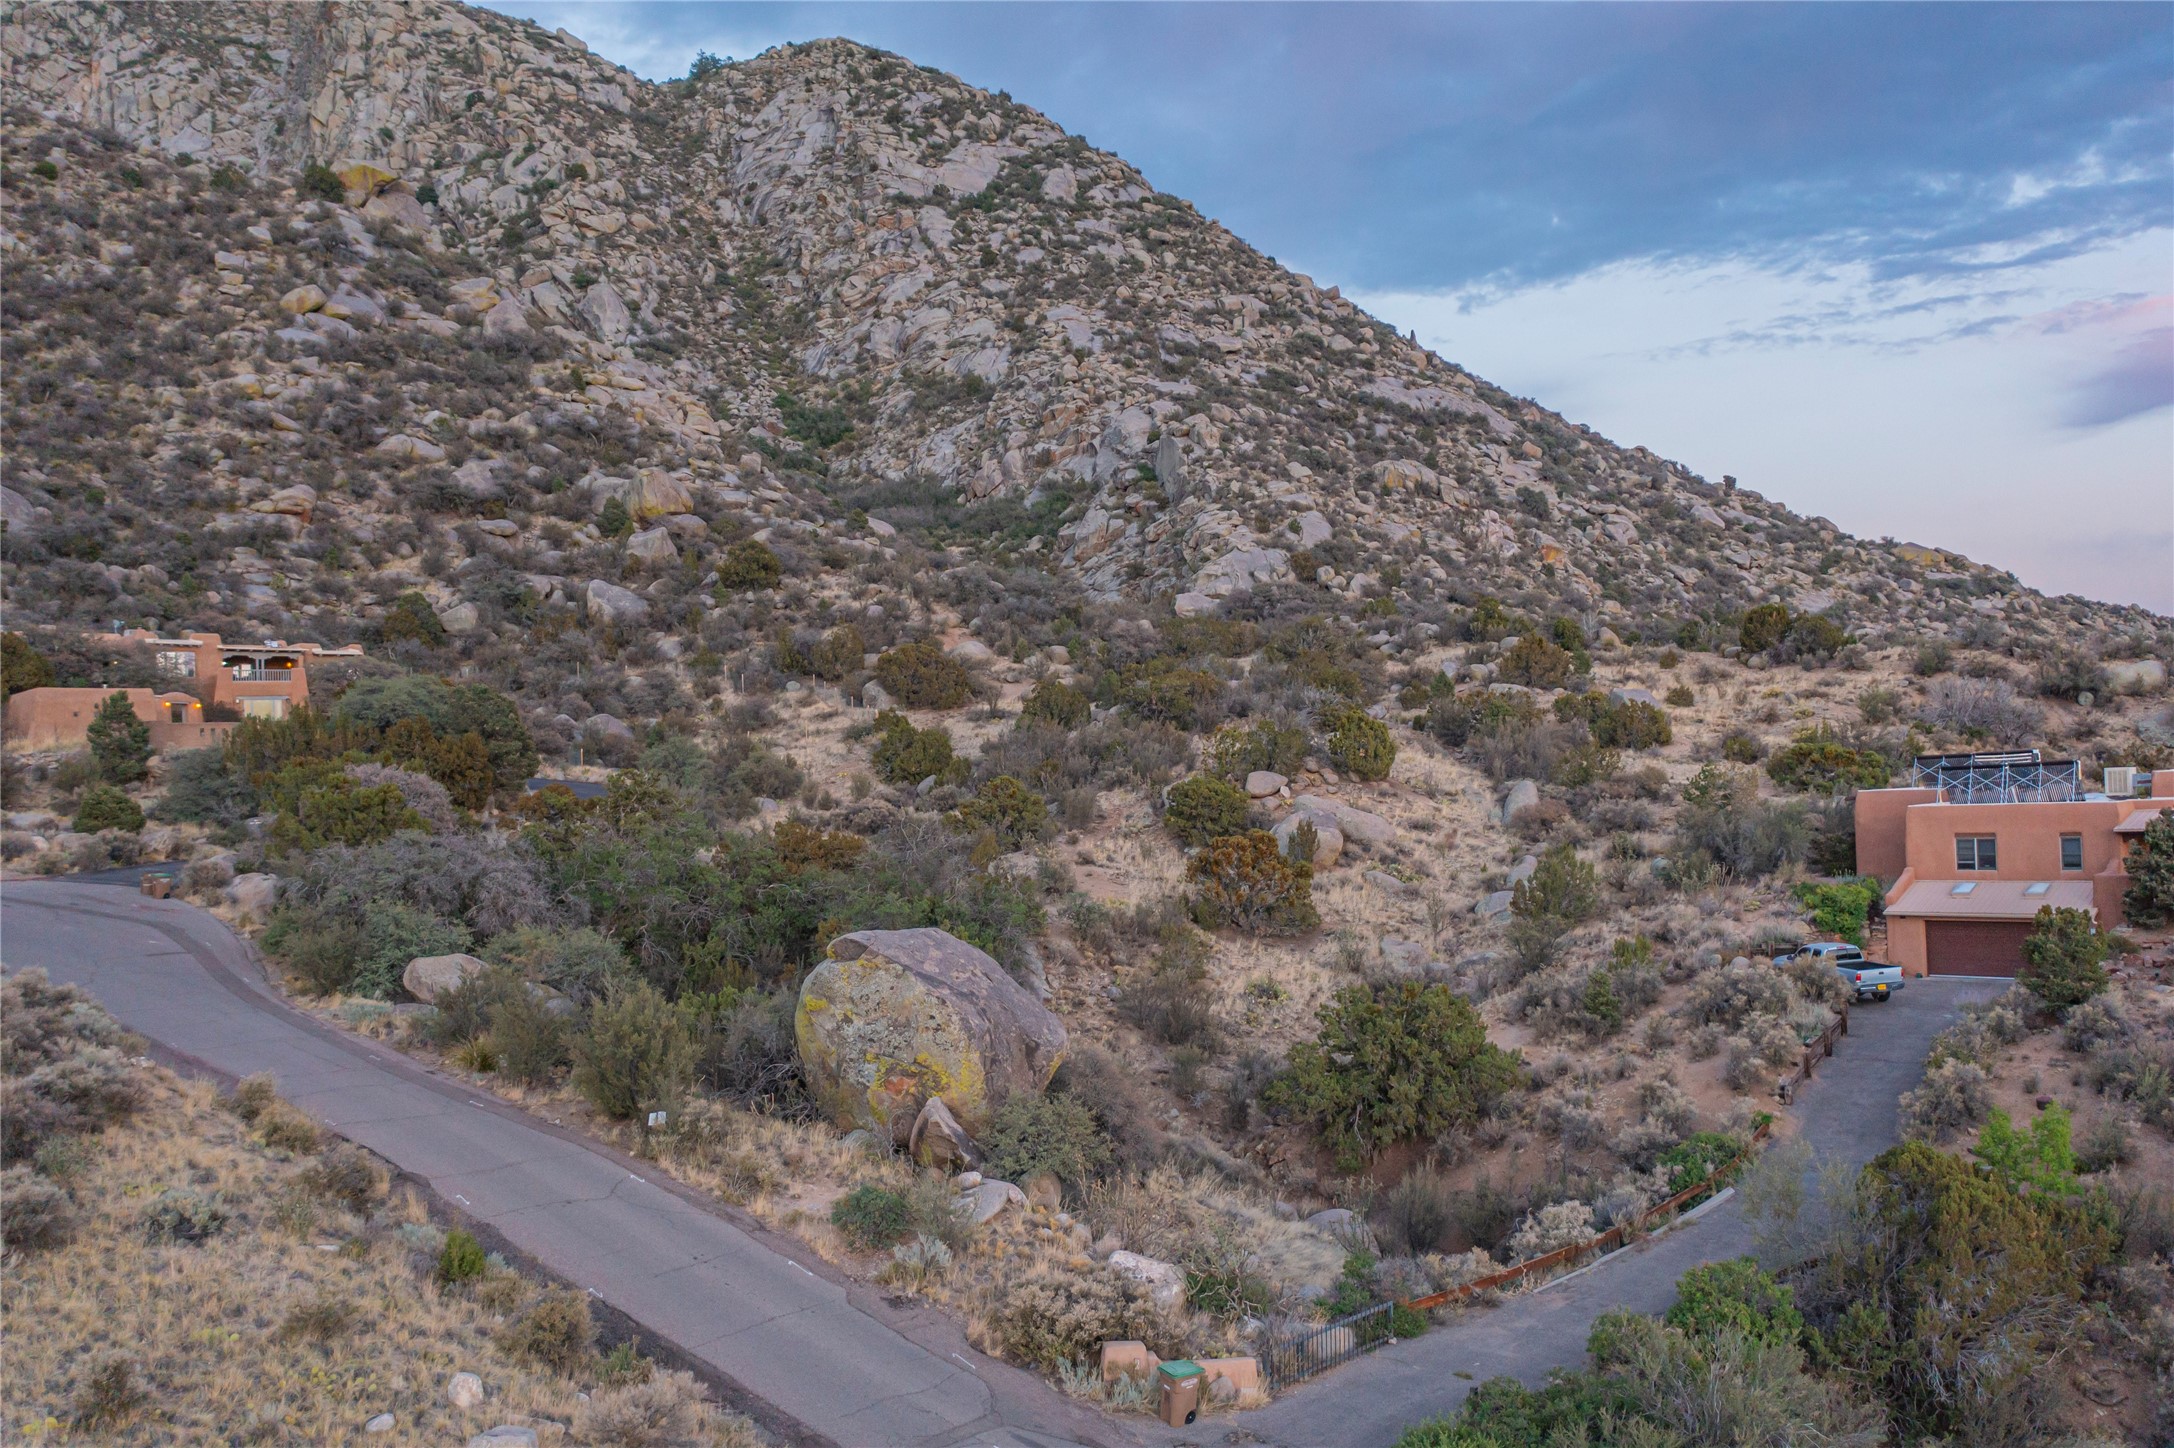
1975	947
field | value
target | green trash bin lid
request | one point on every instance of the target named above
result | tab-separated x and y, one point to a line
1181	1368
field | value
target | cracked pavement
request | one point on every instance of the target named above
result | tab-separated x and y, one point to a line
828	1368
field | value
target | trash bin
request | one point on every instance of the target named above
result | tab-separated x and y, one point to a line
1180	1382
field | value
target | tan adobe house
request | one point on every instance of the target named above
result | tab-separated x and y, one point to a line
1976	844
225	681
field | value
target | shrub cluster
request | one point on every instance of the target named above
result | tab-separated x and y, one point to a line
920	675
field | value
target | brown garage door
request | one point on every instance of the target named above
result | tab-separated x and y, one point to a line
1975	947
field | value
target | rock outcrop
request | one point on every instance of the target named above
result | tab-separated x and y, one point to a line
895	1017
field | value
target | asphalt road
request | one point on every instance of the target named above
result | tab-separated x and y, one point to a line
1847	1112
823	1360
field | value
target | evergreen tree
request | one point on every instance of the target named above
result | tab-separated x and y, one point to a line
2150	898
120	742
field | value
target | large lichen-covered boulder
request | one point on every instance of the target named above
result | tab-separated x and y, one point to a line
895	1017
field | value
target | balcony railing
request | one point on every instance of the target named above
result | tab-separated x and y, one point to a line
251	675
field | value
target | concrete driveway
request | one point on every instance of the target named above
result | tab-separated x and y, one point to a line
1848	1112
818	1359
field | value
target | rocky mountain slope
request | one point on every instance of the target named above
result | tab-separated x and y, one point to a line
817	296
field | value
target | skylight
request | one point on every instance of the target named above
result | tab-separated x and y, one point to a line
1965	888
2038	889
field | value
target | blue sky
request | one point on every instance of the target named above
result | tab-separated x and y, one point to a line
1906	266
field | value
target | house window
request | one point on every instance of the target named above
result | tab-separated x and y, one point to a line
1975	852
263	708
2072	852
181	662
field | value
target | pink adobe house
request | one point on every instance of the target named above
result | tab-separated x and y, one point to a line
263	681
1976	844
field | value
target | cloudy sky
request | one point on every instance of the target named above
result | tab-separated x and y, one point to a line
1909	267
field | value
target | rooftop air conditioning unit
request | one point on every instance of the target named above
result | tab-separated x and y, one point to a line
2121	781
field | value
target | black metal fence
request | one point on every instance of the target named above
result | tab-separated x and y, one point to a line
1314	1350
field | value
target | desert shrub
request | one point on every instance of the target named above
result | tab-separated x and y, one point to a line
838	653
284	1128
1732	995
452	711
22	666
2105	1146
2071	675
1055	1134
1240	749
320	182
1763	626
1246	883
186	1215
531	1043
635	1056
578	963
2093	1024
201	790
1164	690
1557	1225
747	565
1933	658
1953	1294
253	1096
1817	762
341	811
1616	724
460	1258
871	1216
666	1410
906	755
1052	1317
35	1212
1696	1158
409	618
316	945
2040	1157
1358	744
120	742
920	675
1725	824
1840	910
746	771
1954	1095
348	1175
1204	808
1736	1296
1167	1000
464	1012
2063	958
105	807
392	934
1053	701
1387	1066
1007	809
427	797
1537	662
109	1394
556	1332
80	1090
1813	636
1986	709
324	1319
1741	747
1561	888
2149	899
1419	1214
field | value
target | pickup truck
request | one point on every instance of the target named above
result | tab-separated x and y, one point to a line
1866	980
